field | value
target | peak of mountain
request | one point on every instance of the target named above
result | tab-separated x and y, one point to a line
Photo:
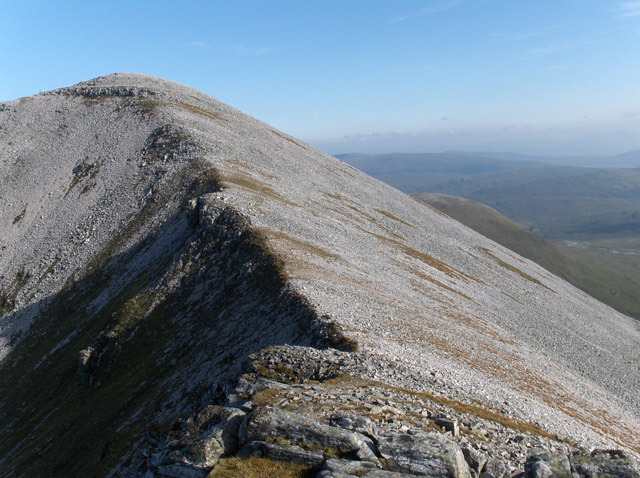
154	238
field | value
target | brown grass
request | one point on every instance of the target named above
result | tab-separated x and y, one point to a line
514	269
256	185
255	467
391	216
19	217
280	135
200	111
300	245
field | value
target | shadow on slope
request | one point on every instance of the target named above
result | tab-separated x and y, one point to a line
148	336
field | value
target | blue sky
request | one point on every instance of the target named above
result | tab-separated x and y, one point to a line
530	76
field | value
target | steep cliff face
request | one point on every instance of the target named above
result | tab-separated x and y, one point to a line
153	237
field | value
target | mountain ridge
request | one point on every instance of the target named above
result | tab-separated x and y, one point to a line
164	164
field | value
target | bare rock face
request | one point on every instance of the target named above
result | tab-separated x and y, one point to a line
152	239
427	455
205	437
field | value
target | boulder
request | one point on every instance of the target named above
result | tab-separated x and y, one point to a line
288	428
474	458
547	466
337	468
206	436
354	423
286	453
423	455
604	463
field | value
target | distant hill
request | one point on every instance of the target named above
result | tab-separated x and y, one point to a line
416	173
611	278
597	208
630	159
591	205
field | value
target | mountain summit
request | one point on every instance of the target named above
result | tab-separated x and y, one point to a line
154	240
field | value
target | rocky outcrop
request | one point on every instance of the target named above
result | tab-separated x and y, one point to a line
423	455
352	426
581	464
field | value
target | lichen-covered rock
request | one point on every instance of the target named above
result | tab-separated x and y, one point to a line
547	466
604	463
354	423
424	455
280	452
495	469
208	435
335	468
285	427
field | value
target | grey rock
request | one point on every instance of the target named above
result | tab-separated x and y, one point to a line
547	466
115	179
279	452
354	423
495	469
614	463
474	458
337	468
295	429
207	436
424	455
449	424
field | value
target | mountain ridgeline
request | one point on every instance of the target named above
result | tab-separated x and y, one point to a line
184	288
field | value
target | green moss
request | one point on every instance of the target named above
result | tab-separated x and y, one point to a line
131	312
6	305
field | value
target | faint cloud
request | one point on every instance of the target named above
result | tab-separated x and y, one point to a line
444	118
430	10
315	115
557	67
628	9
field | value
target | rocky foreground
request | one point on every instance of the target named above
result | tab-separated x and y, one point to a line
347	415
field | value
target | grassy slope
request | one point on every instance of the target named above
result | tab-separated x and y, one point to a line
596	205
611	278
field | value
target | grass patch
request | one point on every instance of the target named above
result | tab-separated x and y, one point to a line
301	245
286	138
6	305
391	216
255	467
200	111
258	186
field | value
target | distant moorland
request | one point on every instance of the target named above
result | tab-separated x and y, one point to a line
591	216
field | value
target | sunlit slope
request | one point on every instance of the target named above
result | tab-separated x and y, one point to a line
611	278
